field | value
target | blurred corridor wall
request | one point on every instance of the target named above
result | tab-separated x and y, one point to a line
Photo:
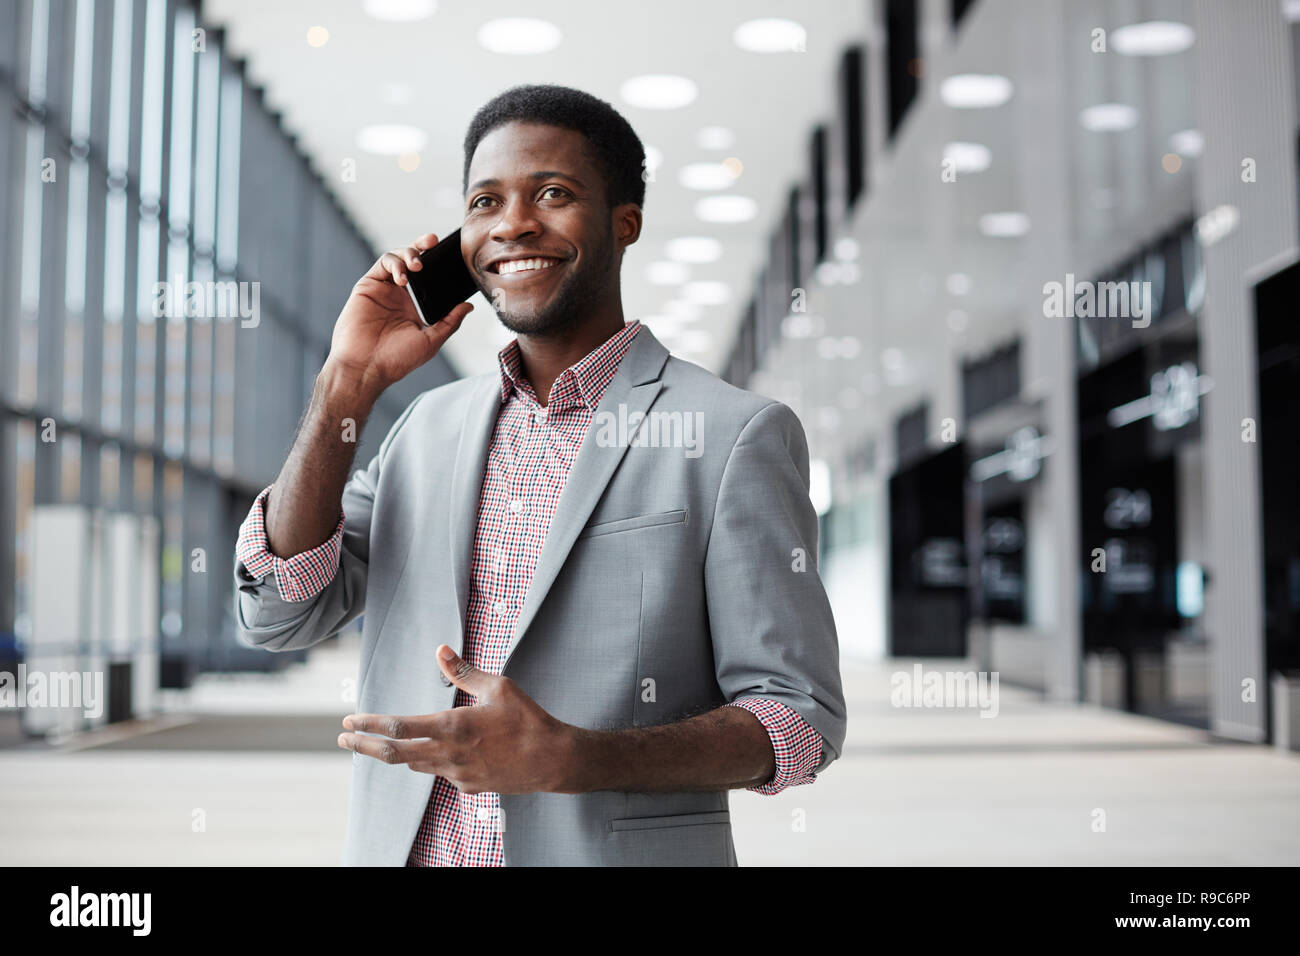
171	267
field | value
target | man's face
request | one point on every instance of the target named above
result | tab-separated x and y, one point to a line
535	192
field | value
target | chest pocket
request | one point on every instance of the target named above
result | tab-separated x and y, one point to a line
635	523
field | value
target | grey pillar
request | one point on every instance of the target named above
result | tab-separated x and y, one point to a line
1245	107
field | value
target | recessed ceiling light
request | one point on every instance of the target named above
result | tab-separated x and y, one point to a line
714	137
958	283
667	273
771	35
693	250
519	36
400	11
658	91
1154	38
317	36
654	158
1187	142
892	359
1291	10
681	309
801	325
1108	117
726	209
707	176
706	293
969	91
1004	225
391	139
967	157
846	249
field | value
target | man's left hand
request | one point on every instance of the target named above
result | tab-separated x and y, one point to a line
504	743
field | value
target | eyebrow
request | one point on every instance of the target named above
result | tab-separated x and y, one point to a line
540	174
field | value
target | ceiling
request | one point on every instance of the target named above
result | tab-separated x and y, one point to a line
432	73
910	324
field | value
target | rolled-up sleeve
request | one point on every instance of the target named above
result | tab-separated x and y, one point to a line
299	578
795	745
770	619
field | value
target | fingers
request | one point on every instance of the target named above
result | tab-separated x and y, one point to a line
398	728
381	748
392	265
442	330
397	263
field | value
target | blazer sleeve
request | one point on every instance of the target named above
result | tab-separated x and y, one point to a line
771	623
265	619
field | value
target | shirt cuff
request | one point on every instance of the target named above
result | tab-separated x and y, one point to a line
299	578
797	747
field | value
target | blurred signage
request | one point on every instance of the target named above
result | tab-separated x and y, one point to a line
940	561
1020	460
1174	399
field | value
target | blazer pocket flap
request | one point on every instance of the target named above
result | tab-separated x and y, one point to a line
674	820
634	523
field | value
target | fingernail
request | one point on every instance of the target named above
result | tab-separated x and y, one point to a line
446	653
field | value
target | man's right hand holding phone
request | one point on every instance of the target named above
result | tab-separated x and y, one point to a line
379	338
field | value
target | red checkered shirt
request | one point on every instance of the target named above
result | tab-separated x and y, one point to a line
532	450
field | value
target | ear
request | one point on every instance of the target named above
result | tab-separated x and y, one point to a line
627	223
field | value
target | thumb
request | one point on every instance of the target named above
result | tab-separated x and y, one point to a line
463	675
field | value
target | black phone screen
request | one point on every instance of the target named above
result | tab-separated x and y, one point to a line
443	281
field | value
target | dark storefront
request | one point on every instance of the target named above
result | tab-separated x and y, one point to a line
927	550
1278	341
1141	512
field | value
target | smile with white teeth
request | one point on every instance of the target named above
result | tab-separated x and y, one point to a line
524	265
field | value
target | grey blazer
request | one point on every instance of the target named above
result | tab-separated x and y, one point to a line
697	571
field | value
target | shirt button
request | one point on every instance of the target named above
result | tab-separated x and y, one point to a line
516	505
539	417
499	609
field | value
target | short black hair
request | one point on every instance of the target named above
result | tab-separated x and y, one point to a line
617	150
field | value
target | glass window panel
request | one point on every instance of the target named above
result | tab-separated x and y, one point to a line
24	501
110	474
70	467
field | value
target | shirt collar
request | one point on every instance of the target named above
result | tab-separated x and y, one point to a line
582	383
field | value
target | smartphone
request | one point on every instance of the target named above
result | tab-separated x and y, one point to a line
442	282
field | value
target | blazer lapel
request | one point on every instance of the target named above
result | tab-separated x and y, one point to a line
466	487
636	384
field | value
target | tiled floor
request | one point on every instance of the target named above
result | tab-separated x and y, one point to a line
913	786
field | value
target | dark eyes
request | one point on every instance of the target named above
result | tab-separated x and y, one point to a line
559	189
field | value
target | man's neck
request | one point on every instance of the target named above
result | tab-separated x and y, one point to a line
543	358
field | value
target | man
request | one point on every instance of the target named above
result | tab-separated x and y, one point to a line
578	635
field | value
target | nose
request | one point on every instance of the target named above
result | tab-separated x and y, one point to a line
517	221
